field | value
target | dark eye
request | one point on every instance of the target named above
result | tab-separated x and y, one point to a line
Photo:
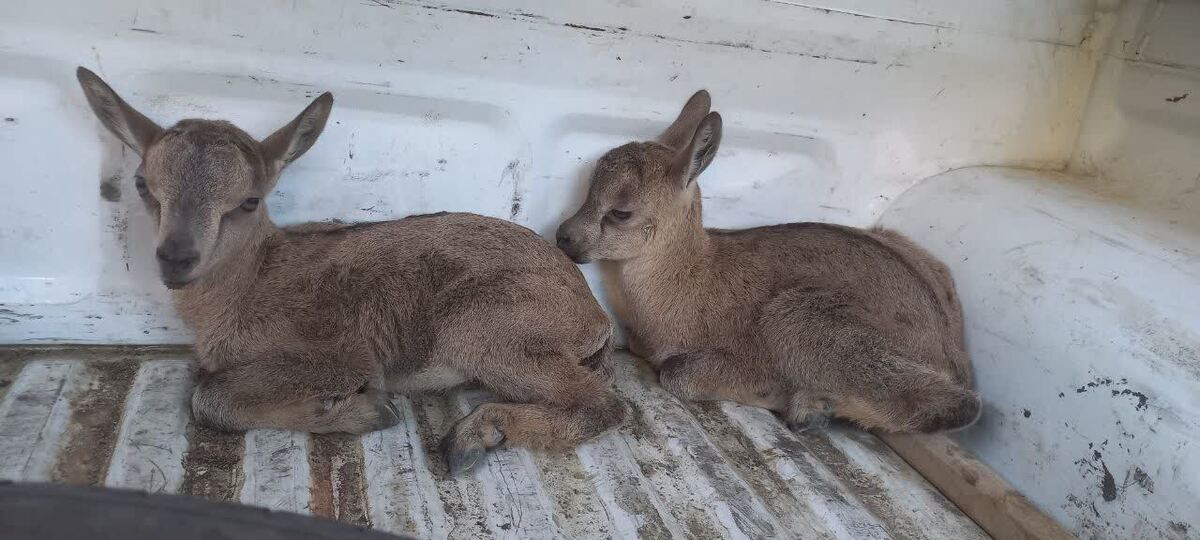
250	204
620	215
140	183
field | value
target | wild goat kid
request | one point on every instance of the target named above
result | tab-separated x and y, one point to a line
310	327
807	319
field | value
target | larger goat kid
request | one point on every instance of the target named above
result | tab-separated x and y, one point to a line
309	328
807	319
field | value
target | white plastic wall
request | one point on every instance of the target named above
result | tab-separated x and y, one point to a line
1082	293
1139	137
833	109
1081	318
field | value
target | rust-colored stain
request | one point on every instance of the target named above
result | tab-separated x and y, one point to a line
92	430
338	490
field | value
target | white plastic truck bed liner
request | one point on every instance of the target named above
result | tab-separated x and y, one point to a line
119	417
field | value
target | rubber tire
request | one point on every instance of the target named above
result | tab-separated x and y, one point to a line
52	512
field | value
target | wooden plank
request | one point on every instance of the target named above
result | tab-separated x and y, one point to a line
401	491
33	418
998	508
153	436
276	471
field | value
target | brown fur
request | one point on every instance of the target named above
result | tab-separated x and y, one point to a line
310	327
807	319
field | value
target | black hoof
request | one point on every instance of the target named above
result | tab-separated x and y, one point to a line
813	422
460	457
389	414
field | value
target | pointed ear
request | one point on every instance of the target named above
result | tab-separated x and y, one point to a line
684	127
294	139
132	127
691	160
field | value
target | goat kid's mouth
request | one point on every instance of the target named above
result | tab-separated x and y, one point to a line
175	284
575	256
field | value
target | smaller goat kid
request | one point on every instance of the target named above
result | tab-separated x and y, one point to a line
807	319
311	327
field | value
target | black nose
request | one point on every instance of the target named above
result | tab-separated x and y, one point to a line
564	241
175	260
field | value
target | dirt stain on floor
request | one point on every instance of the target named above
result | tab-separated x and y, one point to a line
212	467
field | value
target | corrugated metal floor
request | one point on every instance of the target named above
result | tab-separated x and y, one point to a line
120	418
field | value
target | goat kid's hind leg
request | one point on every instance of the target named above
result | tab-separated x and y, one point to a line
555	404
857	368
240	398
911	397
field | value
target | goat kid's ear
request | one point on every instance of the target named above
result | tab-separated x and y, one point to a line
294	139
132	127
681	131
691	160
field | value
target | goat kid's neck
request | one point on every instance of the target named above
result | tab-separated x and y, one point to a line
677	256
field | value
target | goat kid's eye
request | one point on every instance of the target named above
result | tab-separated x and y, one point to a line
140	184
250	204
620	215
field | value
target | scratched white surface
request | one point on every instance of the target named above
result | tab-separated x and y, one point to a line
153	433
276	470
401	486
807	479
624	491
499	108
691	470
665	474
33	417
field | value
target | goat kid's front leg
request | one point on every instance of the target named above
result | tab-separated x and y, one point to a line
558	407
806	413
236	400
710	375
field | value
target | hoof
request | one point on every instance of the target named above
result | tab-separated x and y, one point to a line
387	413
461	462
812	422
462	456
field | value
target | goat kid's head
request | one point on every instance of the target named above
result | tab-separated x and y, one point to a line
202	180
642	188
